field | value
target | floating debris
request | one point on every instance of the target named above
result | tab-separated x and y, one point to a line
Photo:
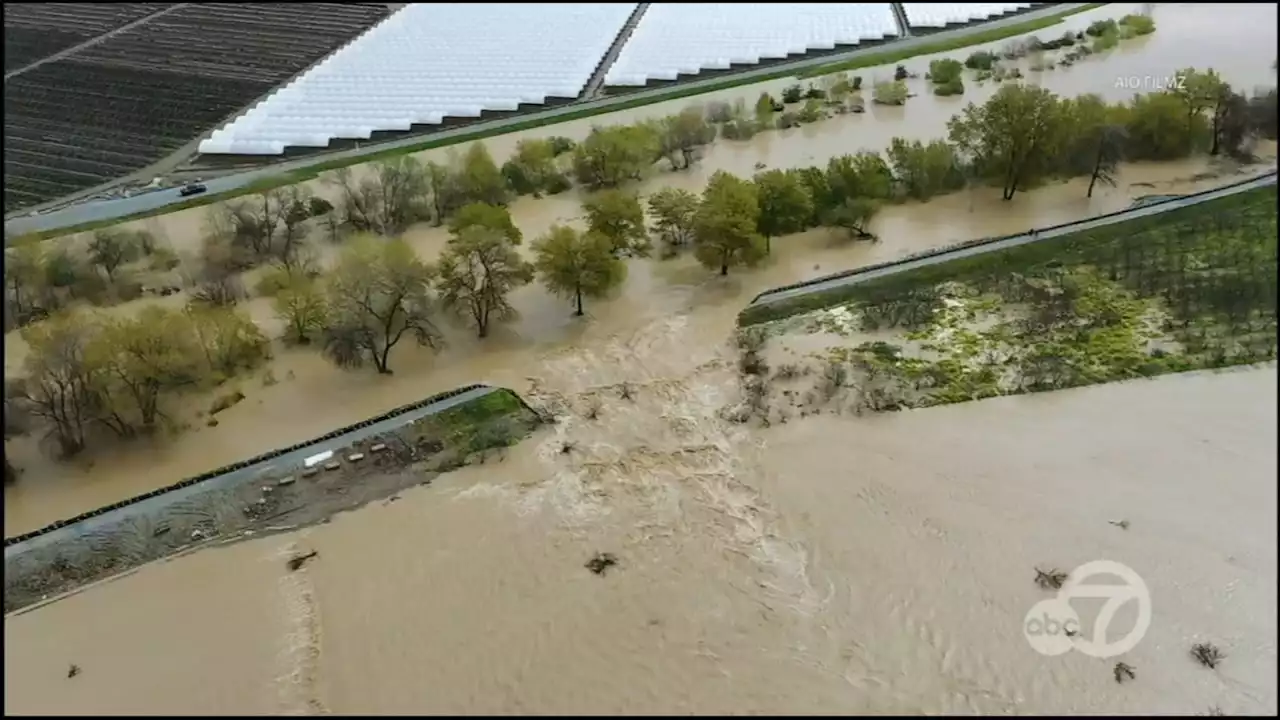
566	447
355	457
1051	579
601	563
296	563
332	466
1122	524
625	392
73	671
379	447
285	481
1214	711
1124	671
1207	654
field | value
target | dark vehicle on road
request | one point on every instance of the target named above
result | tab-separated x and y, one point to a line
192	189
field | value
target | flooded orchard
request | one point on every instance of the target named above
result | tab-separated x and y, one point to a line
831	565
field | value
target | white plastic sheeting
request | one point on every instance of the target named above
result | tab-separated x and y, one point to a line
427	62
936	15
672	38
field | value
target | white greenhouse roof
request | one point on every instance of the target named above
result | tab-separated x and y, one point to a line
429	61
936	15
672	38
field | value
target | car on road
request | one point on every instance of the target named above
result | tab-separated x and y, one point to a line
192	189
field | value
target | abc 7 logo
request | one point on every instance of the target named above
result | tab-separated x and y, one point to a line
1052	626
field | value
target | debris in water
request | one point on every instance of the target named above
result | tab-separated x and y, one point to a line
1214	711
625	392
1122	524
296	563
601	563
1207	654
1124	671
73	671
1050	579
566	447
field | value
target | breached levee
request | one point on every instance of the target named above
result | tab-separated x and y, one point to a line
1181	284
286	488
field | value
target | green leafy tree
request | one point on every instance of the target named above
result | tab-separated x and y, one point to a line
864	174
139	360
493	217
618	216
615	154
725	225
681	136
577	265
377	294
300	304
854	216
478	269
1010	138
532	170
478	178
923	171
673	212
785	205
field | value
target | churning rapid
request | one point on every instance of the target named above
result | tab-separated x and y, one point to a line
834	564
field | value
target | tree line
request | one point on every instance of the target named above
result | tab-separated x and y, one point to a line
85	371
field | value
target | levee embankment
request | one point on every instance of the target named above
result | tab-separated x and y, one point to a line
836	288
283	489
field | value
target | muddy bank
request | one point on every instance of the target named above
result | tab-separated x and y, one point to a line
285	490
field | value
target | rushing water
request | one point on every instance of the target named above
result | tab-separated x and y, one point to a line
830	565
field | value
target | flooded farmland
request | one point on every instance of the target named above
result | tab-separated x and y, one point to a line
832	565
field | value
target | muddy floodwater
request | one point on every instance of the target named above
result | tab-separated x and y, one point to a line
830	565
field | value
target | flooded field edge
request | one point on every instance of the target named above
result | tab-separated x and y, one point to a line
1002	27
280	491
764	307
1191	288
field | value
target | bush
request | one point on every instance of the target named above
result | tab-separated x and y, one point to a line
812	111
1105	42
890	93
815	93
739	129
900	73
1101	27
944	71
719	112
981	60
792	94
788	120
954	86
856	81
1139	24
561	145
164	259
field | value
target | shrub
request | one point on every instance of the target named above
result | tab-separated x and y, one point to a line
815	93
812	111
890	92
954	86
793	94
981	60
944	71
1101	27
856	81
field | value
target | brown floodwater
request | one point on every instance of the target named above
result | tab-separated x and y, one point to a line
835	564
830	565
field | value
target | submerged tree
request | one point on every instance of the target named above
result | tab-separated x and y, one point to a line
785	204
1011	137
477	271
578	265
377	294
724	227
618	216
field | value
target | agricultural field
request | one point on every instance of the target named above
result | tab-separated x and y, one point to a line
1192	288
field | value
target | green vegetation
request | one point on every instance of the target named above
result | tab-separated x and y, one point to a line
578	264
1192	288
313	172
497	419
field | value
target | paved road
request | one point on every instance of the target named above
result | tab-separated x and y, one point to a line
110	209
251	473
1014	240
